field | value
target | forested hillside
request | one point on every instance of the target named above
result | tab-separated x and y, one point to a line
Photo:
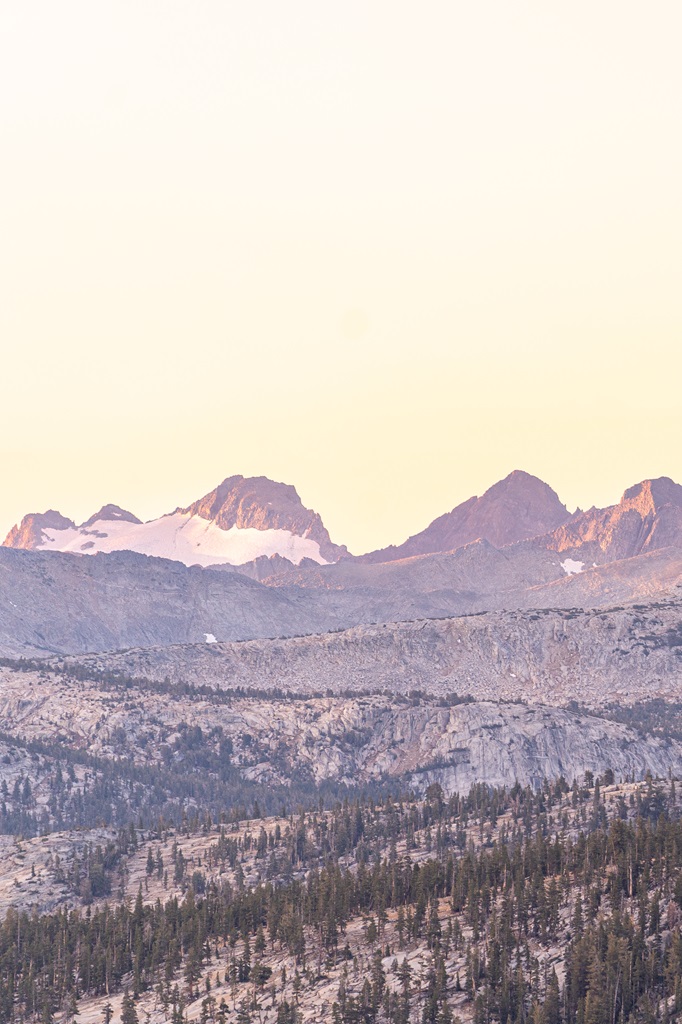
508	905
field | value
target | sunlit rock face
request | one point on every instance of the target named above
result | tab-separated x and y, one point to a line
595	656
31	532
647	518
346	740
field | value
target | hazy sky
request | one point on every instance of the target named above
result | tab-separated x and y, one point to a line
385	251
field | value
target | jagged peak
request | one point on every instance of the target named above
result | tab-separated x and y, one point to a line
28	534
244	491
519	481
260	503
652	494
110	513
516	508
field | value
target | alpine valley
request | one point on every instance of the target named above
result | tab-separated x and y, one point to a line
246	775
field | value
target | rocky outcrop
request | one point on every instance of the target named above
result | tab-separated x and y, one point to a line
647	518
340	739
110	514
29	534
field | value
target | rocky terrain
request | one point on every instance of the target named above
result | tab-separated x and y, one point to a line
261	504
346	740
630	551
247	520
293	581
55	603
647	518
521	507
547	656
211	742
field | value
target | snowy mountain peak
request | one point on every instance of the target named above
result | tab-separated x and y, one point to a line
241	520
29	534
259	503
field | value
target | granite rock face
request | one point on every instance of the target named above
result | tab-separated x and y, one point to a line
647	518
333	738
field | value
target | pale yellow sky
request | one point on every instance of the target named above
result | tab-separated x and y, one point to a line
384	251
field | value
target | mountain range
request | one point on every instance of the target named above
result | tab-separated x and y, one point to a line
245	521
241	520
515	547
159	680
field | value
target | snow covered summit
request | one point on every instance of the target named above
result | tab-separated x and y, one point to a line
242	519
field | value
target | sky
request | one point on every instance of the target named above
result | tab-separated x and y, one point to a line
386	252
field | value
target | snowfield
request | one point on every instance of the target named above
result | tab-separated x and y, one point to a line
184	538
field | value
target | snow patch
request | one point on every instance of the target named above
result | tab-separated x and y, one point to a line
570	566
183	537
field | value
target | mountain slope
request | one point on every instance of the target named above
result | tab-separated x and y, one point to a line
629	551
341	739
516	508
34	528
647	518
549	657
256	503
53	602
241	520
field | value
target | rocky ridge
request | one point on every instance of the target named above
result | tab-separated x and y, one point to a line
547	656
53	603
29	534
347	740
647	518
261	504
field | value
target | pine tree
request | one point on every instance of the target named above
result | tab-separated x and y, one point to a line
128	1011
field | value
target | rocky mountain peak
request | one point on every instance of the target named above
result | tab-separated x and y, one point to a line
29	533
647	518
524	486
263	504
650	496
517	508
240	520
111	514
